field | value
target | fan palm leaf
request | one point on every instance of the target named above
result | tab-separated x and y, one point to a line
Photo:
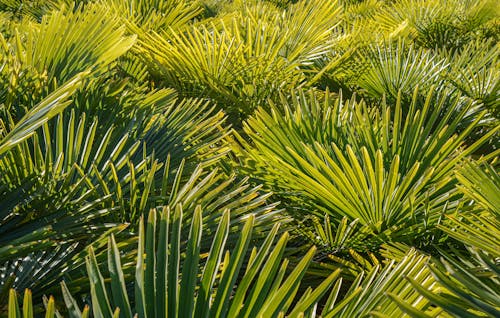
38	57
169	284
154	15
385	170
40	114
468	275
241	61
481	185
468	279
394	69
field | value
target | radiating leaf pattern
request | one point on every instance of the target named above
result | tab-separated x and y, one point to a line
257	158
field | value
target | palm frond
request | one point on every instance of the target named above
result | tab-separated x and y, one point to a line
482	184
241	61
175	284
154	15
84	46
394	69
37	116
347	160
372	295
468	277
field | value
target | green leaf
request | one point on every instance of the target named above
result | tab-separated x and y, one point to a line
162	260
27	304
118	289
211	267
174	263
190	266
150	270
230	274
14	311
71	304
286	292
40	114
51	308
316	294
139	292
101	306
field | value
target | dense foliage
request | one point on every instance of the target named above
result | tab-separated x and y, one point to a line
205	158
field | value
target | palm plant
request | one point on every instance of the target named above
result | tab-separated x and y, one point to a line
31	11
154	15
31	177
474	72
110	109
240	62
431	24
376	30
167	284
394	69
71	181
389	173
469	276
34	65
85	167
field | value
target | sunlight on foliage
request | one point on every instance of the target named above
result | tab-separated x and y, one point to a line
249	158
